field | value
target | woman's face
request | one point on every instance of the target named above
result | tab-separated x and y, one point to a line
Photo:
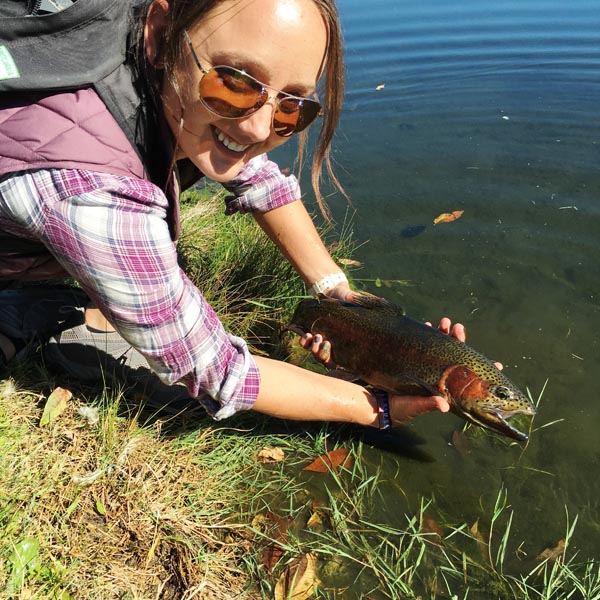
281	43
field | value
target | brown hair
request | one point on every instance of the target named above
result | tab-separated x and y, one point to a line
184	14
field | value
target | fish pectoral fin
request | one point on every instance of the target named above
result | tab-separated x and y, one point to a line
427	387
294	329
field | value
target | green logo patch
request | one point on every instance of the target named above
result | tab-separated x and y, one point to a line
8	68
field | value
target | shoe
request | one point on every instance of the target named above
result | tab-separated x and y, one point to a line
95	357
91	356
30	316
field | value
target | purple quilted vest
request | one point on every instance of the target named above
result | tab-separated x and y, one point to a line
71	130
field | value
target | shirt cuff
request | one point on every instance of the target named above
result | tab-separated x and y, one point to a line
260	187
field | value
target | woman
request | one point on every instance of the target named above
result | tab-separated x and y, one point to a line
219	84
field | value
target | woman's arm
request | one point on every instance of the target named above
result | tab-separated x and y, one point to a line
289	392
291	228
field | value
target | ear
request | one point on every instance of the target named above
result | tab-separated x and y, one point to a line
154	29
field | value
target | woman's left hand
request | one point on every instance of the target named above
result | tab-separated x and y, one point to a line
321	348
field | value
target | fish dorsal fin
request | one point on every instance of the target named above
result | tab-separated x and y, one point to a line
372	302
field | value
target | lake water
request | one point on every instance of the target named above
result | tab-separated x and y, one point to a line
491	108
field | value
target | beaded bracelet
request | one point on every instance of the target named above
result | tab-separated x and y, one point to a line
383	408
328	282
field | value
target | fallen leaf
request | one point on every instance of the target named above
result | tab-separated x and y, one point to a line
55	405
448	217
331	461
460	443
430	525
380	86
271	555
277	528
481	543
299	579
350	262
314	521
552	553
271	455
100	508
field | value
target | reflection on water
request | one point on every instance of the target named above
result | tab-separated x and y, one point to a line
490	108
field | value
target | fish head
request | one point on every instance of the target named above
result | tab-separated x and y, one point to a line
488	400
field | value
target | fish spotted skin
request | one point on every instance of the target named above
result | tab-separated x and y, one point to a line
373	339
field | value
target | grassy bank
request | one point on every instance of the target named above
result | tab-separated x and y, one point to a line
117	497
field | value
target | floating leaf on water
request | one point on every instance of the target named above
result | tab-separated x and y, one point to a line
448	217
350	262
55	405
271	455
299	581
331	461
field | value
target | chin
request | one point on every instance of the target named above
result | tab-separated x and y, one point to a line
221	171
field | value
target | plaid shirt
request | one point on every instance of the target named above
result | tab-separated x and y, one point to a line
110	233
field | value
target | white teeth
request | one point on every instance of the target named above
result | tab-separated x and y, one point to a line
230	144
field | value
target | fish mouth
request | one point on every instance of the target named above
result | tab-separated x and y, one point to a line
496	419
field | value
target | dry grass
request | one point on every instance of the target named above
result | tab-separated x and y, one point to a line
116	510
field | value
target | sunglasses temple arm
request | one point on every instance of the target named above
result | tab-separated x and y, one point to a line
189	41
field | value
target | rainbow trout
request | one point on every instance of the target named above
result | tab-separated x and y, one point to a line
375	341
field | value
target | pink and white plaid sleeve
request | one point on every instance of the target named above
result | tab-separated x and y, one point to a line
110	233
259	187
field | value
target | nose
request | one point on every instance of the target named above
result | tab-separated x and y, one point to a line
258	126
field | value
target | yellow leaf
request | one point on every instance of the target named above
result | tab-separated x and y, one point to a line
350	262
314	521
448	217
55	405
271	455
299	579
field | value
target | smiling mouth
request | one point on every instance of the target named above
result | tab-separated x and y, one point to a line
230	144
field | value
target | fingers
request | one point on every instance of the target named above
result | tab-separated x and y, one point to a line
457	330
341	291
404	408
321	349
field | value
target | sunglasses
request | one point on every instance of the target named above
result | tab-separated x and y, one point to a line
233	94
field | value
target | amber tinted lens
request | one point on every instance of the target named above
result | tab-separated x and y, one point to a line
292	115
231	93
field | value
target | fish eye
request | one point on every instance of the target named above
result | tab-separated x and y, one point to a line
502	392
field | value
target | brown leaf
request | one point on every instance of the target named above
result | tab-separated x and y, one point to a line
299	579
448	217
277	528
271	455
331	461
271	556
430	525
552	553
460	443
